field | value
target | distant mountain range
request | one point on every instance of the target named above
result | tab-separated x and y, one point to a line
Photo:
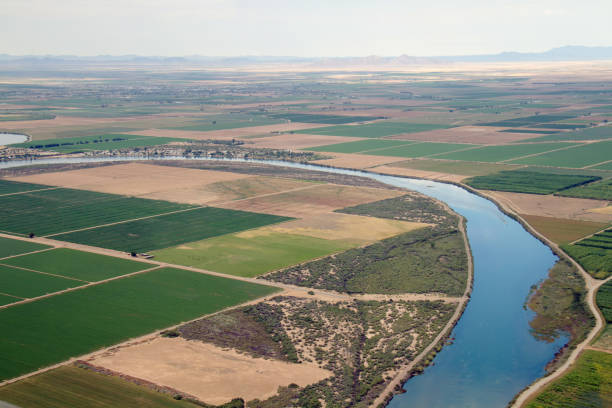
567	53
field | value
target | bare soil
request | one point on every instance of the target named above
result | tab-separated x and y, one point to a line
356	161
466	134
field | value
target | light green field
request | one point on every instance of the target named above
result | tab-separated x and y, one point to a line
420	149
77	264
377	129
6	299
576	157
12	187
252	255
491	154
74	387
28	284
455	167
360	146
10	247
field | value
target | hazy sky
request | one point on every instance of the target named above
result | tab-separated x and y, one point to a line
299	27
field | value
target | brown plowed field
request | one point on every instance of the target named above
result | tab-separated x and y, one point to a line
357	161
466	134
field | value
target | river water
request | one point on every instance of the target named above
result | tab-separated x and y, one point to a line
12	138
494	355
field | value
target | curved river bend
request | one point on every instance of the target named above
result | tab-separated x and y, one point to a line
494	355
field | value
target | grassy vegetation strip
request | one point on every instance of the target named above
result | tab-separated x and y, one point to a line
13	187
171	229
361	342
497	153
359	146
374	130
84	320
601	190
11	247
604	301
522	181
77	264
576	157
587	385
63	209
97	142
563	230
420	149
328	119
28	284
71	386
594	254
250	256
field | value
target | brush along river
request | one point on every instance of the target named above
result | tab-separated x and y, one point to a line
494	355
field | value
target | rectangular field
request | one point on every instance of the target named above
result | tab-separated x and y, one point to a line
70	386
575	157
98	142
80	265
563	230
594	133
529	120
521	181
594	254
454	167
53	329
421	149
374	130
491	154
359	146
327	119
170	229
601	190
53	211
28	284
11	187
11	247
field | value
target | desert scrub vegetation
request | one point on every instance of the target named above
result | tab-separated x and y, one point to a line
560	307
422	261
363	343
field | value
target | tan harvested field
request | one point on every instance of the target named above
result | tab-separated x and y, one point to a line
563	230
297	141
466	134
58	122
212	374
227	134
407	172
338	226
135	179
603	210
552	206
310	201
356	161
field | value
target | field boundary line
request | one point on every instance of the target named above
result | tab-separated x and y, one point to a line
602	350
30	191
123	222
28	300
43	273
597	164
267	195
13	296
538	154
589	236
455	151
27	253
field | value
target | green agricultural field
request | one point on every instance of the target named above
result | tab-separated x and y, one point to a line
576	157
604	300
454	167
77	264
98	142
601	190
250	256
522	181
10	247
560	126
6	299
12	187
171	229
529	120
587	385
594	254
54	211
223	122
535	131
360	146
328	119
28	284
491	154
593	133
75	387
53	329
374	130
420	149
604	166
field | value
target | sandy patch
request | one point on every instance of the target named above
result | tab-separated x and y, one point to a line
552	206
603	210
404	171
466	134
227	134
357	161
208	372
319	199
340	226
298	141
134	179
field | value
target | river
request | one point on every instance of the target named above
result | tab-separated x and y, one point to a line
494	355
